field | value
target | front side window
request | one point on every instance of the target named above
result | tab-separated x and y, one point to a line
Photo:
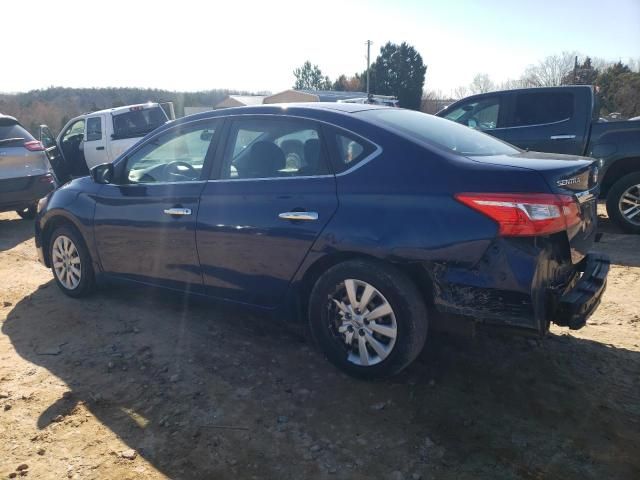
479	114
177	155
75	129
538	108
94	129
273	148
438	132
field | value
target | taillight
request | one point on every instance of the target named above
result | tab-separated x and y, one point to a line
525	214
34	146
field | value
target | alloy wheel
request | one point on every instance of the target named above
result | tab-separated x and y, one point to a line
66	262
629	204
363	321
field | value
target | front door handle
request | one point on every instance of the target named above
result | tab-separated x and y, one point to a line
177	211
99	148
562	137
308	216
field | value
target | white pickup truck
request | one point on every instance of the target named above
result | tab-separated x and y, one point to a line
100	137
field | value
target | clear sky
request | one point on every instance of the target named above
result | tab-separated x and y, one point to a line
255	45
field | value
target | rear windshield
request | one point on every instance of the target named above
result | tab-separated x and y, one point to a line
437	131
137	123
12	134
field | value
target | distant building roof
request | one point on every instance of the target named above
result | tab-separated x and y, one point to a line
293	95
240	101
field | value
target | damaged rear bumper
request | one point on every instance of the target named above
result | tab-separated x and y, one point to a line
576	306
524	285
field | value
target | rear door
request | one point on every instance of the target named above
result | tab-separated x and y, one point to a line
548	120
95	141
269	199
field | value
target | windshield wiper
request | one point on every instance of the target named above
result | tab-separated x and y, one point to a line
9	140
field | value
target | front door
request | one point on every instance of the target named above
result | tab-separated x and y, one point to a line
145	222
95	141
269	200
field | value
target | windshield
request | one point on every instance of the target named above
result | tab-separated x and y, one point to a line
137	123
440	132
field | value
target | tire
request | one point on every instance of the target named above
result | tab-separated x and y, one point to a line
331	323
629	188
28	213
67	247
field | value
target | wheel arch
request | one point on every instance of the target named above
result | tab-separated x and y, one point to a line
54	222
619	169
417	272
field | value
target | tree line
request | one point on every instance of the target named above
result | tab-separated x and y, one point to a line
55	106
398	70
617	84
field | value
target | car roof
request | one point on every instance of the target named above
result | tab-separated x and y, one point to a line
8	119
308	108
122	109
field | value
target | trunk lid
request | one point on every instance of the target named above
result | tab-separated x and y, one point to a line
565	175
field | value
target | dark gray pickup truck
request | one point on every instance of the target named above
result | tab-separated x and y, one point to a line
564	120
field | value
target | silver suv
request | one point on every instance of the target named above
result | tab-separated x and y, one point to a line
25	172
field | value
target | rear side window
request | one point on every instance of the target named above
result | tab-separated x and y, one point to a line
94	129
273	148
137	122
543	107
12	134
349	151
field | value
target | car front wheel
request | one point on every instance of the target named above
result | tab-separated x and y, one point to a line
368	318
623	203
71	263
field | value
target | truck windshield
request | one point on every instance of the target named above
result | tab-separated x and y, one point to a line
439	132
137	123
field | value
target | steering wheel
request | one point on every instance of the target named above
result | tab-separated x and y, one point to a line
172	168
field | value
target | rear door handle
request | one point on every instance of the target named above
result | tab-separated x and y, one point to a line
178	211
308	216
562	137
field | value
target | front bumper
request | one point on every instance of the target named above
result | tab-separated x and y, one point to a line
576	306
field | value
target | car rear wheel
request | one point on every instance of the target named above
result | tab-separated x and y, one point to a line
28	213
368	318
623	203
71	263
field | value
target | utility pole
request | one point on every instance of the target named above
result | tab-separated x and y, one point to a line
369	42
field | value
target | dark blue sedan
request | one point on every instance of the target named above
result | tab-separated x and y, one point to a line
367	222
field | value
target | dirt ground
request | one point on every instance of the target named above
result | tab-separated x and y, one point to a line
128	385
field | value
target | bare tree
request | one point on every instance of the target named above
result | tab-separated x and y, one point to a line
481	83
460	92
550	71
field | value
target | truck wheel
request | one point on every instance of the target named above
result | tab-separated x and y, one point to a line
623	203
28	213
368	318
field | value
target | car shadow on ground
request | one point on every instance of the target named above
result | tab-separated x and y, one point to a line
207	391
13	231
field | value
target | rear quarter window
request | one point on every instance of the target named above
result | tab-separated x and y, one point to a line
348	150
138	122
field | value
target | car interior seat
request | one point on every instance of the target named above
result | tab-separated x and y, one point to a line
265	160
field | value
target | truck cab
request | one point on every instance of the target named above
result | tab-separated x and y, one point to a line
564	120
100	137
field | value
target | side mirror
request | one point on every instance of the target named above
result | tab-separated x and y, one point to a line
103	173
